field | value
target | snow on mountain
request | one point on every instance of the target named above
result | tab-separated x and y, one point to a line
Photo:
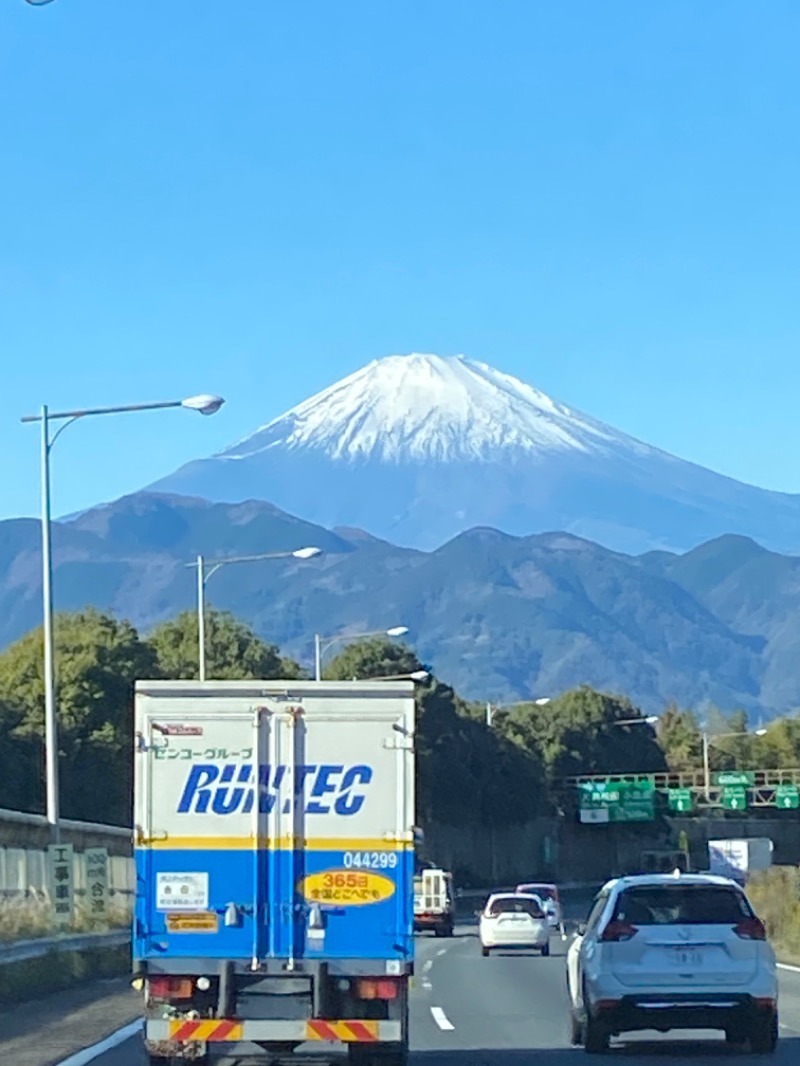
418	448
428	407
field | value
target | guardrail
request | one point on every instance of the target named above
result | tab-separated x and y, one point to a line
23	950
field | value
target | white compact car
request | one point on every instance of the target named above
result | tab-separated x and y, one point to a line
512	920
682	951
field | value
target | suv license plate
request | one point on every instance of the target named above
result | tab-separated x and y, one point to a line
686	957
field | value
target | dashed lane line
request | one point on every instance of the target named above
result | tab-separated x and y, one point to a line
441	1019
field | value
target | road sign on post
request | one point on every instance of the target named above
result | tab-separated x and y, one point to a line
734	797
680	800
617	800
97	883
787	797
62	883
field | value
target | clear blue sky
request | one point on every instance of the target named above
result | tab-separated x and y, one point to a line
255	197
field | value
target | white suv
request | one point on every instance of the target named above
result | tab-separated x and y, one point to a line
668	952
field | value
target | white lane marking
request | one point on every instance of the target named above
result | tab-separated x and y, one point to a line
440	952
786	966
427	967
89	1054
441	1019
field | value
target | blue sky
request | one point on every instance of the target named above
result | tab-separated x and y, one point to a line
255	198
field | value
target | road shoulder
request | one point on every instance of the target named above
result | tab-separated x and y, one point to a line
46	1031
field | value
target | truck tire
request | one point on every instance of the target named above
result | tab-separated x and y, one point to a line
382	1055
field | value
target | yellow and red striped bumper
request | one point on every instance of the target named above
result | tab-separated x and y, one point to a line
211	1030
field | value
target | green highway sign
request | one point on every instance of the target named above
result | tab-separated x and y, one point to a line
619	800
787	797
735	777
680	799
734	798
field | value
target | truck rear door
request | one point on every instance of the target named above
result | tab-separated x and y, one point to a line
269	827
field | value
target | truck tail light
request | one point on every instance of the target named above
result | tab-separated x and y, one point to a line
751	929
376	988
169	988
614	932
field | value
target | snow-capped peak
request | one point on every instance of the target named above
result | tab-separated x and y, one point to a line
430	407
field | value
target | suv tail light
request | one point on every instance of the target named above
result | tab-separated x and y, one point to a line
616	931
751	929
169	988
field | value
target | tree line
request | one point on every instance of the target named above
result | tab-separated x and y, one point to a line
467	771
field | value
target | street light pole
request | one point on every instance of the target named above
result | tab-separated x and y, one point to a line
206	405
203	576
706	767
201	617
50	717
320	649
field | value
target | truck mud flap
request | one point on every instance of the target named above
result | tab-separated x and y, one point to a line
216	1030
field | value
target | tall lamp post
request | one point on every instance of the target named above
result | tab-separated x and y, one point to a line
206	405
320	648
204	575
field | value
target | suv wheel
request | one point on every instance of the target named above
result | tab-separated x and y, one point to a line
575	1031
764	1034
595	1036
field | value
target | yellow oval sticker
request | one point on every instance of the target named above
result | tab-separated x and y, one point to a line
346	888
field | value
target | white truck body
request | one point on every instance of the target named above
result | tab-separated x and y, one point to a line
739	858
274	849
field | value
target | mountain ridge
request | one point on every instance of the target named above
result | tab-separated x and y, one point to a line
500	617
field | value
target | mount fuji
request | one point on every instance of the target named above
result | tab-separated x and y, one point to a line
419	448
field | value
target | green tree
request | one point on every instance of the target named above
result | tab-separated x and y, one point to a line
233	650
681	739
579	732
377	657
466	774
97	661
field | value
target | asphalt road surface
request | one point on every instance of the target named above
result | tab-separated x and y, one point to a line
512	1009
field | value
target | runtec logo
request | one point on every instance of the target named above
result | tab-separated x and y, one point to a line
228	789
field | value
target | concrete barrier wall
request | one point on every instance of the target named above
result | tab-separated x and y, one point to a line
23	858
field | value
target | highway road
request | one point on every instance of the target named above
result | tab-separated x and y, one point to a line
512	1009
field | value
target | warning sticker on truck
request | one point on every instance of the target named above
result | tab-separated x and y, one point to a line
182	891
344	888
193	923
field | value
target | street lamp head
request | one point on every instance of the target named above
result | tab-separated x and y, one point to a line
760	733
419	675
651	719
307	553
205	404
397	631
542	701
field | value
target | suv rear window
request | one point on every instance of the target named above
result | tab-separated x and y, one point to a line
515	904
682	905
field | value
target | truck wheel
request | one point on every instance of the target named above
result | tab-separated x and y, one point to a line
764	1034
382	1055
